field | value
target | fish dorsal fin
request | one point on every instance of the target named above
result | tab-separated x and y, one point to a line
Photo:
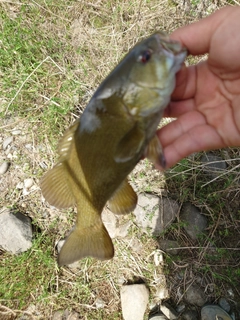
55	188
154	152
129	145
92	241
124	199
66	141
54	185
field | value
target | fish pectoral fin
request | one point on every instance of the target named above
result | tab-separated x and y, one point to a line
124	199
55	188
129	145
155	153
92	241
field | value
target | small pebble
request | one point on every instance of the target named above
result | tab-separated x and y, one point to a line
4	167
7	142
99	303
16	132
230	293
28	183
28	146
19	185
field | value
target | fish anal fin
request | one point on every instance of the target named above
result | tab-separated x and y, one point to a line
93	241
155	153
55	188
124	199
129	145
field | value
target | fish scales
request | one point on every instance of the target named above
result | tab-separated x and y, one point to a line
100	149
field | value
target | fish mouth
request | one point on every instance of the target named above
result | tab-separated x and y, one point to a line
170	45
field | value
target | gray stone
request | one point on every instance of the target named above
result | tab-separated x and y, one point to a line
155	214
224	304
4	167
134	300
169	311
195	296
189	315
7	142
169	246
15	232
214	165
195	222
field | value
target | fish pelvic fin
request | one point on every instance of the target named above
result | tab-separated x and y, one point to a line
55	188
124	200
155	153
92	241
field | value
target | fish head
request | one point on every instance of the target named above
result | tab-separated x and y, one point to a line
151	77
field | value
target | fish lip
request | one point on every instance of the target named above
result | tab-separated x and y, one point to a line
170	45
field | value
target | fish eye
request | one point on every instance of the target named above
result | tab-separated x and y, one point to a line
145	56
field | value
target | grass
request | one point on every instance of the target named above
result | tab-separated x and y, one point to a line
53	56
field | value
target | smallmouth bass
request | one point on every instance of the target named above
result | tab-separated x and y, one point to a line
100	149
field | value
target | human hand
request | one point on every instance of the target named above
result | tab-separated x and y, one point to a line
206	100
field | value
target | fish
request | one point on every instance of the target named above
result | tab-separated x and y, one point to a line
116	130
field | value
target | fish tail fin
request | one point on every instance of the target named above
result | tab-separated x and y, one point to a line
92	241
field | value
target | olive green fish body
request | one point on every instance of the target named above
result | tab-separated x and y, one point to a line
115	131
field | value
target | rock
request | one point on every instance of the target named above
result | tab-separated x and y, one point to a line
58	315
224	304
195	296
169	311
169	246
155	214
29	146
99	303
110	222
6	142
15	232
122	230
214	165
73	316
195	222
20	185
28	183
134	300
189	315
136	245
4	167
16	132
180	308
65	315
214	312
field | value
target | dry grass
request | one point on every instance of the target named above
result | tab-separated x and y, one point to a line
54	55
